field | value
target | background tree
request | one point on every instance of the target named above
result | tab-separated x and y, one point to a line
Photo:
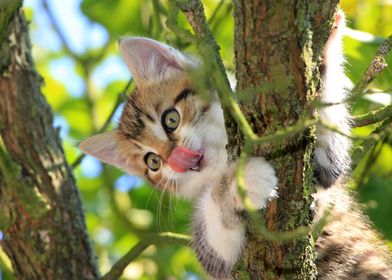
41	213
84	81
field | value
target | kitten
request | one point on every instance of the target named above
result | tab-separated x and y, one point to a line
176	140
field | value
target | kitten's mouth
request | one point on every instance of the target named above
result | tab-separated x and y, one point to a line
183	159
197	169
200	166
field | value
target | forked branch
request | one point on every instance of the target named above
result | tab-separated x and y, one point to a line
377	65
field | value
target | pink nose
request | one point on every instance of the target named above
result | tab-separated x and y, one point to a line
182	159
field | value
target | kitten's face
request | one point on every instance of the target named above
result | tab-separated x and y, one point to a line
158	120
167	133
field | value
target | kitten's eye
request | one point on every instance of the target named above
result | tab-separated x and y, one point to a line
153	161
170	120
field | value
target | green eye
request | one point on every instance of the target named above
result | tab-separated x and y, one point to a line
153	161
170	120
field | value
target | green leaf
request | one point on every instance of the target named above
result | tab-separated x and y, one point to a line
119	17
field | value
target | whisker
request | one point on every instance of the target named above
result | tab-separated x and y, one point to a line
170	210
178	202
159	210
154	189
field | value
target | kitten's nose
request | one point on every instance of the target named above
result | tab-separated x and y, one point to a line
182	159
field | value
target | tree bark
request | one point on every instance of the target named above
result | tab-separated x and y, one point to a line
277	49
277	43
41	214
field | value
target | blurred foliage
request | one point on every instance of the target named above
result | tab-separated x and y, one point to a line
120	209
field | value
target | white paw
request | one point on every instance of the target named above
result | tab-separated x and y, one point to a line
217	241
260	181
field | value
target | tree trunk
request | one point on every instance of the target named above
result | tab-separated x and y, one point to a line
41	214
277	49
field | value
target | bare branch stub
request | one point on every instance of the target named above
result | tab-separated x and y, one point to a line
377	65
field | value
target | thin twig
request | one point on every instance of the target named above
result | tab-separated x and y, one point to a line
120	99
284	236
194	12
84	60
157	15
373	116
217	23
240	177
336	129
150	239
120	213
371	160
58	30
215	12
384	129
299	126
376	67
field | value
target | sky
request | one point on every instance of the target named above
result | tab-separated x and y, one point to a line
89	35
70	18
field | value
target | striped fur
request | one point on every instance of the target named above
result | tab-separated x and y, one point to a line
348	248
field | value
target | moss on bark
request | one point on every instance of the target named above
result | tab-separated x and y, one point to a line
41	213
277	49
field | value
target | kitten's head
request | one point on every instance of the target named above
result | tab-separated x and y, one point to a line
167	133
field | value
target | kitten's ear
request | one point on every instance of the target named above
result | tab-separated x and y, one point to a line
151	61
104	147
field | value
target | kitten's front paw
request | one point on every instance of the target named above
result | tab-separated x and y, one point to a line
260	181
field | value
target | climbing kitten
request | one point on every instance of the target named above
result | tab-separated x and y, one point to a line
176	140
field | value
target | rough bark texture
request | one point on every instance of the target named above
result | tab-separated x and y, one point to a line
278	44
41	214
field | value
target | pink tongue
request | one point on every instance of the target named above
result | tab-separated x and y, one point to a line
182	159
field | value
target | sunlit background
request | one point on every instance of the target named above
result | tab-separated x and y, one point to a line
75	50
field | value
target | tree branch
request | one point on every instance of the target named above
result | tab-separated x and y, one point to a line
119	213
84	60
215	12
57	29
7	10
38	195
376	67
209	49
384	129
150	239
371	160
373	116
120	99
194	12
335	129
